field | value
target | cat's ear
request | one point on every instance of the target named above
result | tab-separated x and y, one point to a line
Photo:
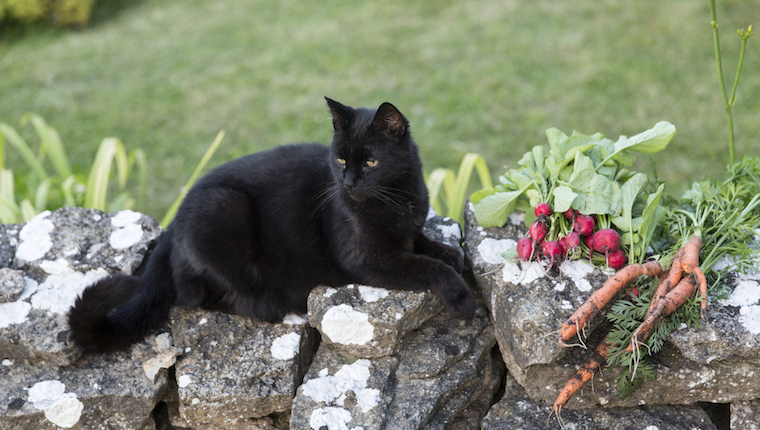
342	115
389	121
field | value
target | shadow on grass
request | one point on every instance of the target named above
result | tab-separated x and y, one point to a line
105	11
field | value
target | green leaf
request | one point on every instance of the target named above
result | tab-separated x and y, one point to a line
563	198
97	182
630	190
494	210
596	194
653	140
480	194
51	141
23	148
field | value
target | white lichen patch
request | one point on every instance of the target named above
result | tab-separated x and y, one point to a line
14	313
749	317
59	291
746	295
34	238
452	231
331	418
61	408
127	232
372	294
517	218
577	270
332	389
286	347
523	273
342	324
184	381
490	250
329	291
7	363
294	319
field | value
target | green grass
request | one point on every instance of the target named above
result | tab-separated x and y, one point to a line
471	76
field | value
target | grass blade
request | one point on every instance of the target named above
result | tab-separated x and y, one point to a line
435	186
206	157
50	140
9	210
97	182
27	210
26	152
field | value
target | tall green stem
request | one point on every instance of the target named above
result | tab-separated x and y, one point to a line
721	81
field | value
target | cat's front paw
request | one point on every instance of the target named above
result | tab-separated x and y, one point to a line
459	300
449	255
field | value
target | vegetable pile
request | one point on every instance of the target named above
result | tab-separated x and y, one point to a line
584	200
581	201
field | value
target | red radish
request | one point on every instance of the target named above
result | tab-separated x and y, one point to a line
538	231
570	214
543	209
524	248
551	248
572	242
563	245
584	225
606	240
589	241
616	259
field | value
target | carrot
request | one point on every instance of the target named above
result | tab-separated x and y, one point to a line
601	297
590	366
672	301
674	275
691	251
702	291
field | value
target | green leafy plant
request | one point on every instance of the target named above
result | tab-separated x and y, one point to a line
448	189
49	181
588	174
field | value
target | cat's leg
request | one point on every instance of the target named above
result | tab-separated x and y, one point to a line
417	272
448	254
217	257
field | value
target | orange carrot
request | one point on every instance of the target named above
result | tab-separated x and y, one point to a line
674	275
691	251
672	301
590	366
702	291
601	297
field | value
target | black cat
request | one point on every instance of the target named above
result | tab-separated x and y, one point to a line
257	234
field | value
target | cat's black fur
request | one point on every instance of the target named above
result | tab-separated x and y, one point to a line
257	234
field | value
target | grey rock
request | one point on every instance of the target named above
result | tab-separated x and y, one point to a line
98	392
60	253
340	390
445	230
8	243
235	368
745	415
443	368
517	411
11	284
366	321
435	375
718	363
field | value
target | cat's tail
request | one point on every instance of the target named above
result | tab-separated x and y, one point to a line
120	310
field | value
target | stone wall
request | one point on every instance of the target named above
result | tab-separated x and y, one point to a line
363	358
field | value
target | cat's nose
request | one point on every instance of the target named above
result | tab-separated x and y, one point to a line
349	180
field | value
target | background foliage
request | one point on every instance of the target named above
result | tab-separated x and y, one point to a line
482	76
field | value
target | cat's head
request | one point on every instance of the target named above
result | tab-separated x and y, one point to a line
372	152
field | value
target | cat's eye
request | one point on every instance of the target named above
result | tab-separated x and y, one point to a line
342	161
370	163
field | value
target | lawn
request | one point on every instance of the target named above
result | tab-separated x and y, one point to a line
472	76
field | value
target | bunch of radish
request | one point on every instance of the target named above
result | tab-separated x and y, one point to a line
551	238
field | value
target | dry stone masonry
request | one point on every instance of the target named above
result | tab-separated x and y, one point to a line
363	358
